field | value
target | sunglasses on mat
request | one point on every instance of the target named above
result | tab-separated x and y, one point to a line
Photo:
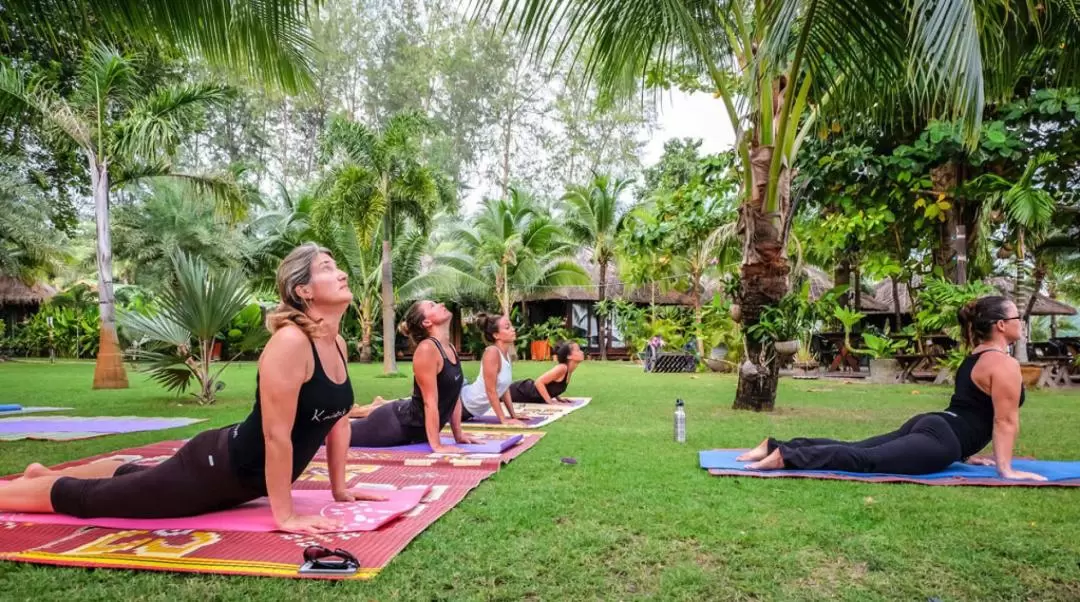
323	559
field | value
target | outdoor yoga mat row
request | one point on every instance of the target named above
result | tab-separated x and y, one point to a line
422	486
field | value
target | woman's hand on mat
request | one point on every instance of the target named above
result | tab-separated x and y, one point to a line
1021	475
447	449
309	524
468	440
516	421
981	461
357	495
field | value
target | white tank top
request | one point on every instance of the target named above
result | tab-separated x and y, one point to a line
474	395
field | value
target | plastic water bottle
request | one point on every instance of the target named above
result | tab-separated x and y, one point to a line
680	421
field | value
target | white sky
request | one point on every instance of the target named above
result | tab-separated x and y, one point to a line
679	115
696	115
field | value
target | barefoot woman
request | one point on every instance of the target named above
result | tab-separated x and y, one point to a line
301	398
985	407
437	382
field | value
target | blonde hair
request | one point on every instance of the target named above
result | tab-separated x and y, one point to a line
295	270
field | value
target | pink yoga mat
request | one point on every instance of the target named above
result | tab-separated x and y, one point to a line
496	446
255	516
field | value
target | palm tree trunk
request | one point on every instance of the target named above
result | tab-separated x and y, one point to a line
109	368
389	346
764	280
1020	347
695	296
896	301
601	319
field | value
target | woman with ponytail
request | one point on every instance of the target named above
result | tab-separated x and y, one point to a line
437	382
985	408
302	396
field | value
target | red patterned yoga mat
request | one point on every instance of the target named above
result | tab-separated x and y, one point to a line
258	554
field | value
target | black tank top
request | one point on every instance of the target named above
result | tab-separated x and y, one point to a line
971	411
448	383
524	391
319	405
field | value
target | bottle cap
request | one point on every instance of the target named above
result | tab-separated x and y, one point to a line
679	402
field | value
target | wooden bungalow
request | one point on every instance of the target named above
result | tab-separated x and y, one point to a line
576	305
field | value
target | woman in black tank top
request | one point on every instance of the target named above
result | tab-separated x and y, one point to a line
437	382
299	404
985	407
553	383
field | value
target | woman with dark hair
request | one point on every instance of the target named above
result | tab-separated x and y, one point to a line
553	383
491	389
985	408
437	382
301	399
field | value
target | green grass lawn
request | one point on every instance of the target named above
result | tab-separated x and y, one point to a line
636	517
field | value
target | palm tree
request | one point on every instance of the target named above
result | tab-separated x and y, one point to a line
125	133
519	249
266	39
379	182
29	248
1026	213
592	219
779	66
175	217
200	304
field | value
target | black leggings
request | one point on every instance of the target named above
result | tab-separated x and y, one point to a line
925	444
383	428
199	478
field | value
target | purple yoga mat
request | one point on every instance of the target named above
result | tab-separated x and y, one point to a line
496	446
96	424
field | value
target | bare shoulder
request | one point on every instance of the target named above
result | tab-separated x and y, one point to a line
999	361
286	346
288	339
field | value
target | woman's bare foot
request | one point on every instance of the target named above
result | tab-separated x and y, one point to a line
378	401
36	470
773	461
758	453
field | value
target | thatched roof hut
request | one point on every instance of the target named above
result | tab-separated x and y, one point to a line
821	282
1044	306
16	292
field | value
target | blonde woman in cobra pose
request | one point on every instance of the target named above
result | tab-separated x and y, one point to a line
302	397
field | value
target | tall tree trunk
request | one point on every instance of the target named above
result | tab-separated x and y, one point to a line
109	368
896	301
601	318
842	277
856	285
389	339
943	179
1020	347
695	296
366	327
764	280
508	138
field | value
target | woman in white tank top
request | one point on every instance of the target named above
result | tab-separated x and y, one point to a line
490	391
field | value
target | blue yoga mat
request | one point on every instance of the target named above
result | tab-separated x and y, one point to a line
721	462
10	407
